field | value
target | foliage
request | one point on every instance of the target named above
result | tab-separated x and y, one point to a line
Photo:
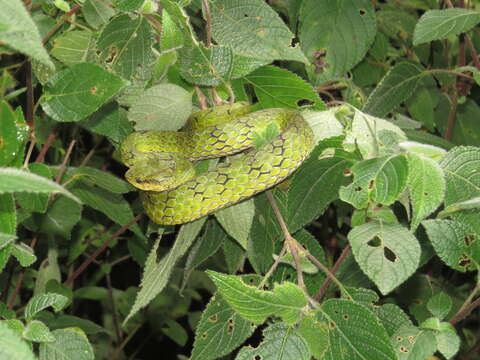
370	250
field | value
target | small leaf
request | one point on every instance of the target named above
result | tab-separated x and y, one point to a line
68	344
286	300
37	331
448	342
426	185
6	239
355	332
15	180
277	87
440	305
387	253
237	220
161	107
42	301
60	218
253	29
12	346
99	178
411	343
396	86
220	330
280	342
78	91
19	32
24	254
455	243
441	24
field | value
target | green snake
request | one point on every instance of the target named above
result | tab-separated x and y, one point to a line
162	163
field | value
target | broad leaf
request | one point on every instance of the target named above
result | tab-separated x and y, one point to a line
15	180
355	333
128	5
42	301
316	335
441	24
97	12
12	137
97	177
69	344
412	343
387	253
37	331
73	47
285	300
253	29
333	53
440	305
467	205
396	86
426	185
281	342
78	91
24	254
60	217
18	31
237	220
206	245
12	346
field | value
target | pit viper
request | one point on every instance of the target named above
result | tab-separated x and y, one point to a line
162	163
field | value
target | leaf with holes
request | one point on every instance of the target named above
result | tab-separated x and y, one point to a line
460	166
280	342
426	185
387	253
355	332
276	87
380	180
412	343
455	243
220	329
441	24
125	46
253	29
78	91
333	53
285	300
396	86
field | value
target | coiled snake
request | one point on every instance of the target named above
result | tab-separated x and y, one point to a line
161	162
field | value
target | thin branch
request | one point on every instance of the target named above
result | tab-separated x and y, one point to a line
208	19
217	100
63	166
463	313
473	51
202	100
125	342
273	267
60	23
231	94
327	272
100	250
46	146
29	116
30	150
466	308
323	289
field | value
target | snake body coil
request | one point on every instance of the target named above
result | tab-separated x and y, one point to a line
161	161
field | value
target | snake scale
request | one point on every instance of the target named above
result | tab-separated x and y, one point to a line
161	163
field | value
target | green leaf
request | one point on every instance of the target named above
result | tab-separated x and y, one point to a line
324	123
253	29
463	183
43	301
161	107
422	346
60	218
15	325
19	32
15	180
220	329
8	225
421	107
156	274
455	243
237	220
78	91
355	332
440	305
441	24
97	177
448	342
37	331
426	138
73	47
111	121
48	271
387	253
97	12
234	255
5	255
11	137
24	254
128	5
6	239
276	87
380	180
333	53
392	317
467	205
316	334
6	313
396	86
424	150
172	37
426	185
206	66
31	201
12	346
280	342
286	300
69	344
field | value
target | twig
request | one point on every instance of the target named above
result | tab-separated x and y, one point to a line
202	100
46	146
60	23
125	342
101	249
208	19
465	309
323	289
30	150
462	313
87	158
156	24
473	51
231	94
217	100
64	162
273	267
30	116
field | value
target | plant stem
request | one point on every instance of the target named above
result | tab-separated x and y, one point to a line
467	306
323	289
274	266
46	146
60	23
208	19
101	249
63	166
202	100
